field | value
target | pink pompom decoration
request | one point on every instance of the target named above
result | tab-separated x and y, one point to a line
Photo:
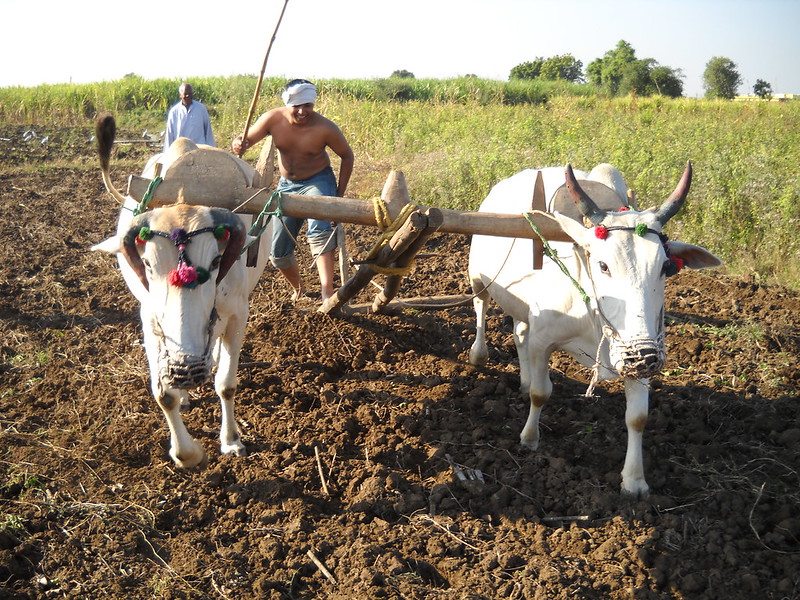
600	232
183	275
623	208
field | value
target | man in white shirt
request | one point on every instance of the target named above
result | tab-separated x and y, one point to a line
188	118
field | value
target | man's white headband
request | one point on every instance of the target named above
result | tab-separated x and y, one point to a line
302	93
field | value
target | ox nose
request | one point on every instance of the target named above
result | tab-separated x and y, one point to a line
186	373
645	363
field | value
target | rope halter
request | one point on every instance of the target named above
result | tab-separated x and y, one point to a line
186	274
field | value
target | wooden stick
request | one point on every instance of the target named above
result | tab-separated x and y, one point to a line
261	79
321	473
321	566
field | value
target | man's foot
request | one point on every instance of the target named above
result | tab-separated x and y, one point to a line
298	294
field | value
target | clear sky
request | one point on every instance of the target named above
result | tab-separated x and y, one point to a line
81	41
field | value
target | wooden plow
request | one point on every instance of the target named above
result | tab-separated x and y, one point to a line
193	171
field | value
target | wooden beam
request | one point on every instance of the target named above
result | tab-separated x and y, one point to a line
361	212
388	254
392	284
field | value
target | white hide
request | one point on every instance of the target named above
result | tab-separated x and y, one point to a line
176	320
624	278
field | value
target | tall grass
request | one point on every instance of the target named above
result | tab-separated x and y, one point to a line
456	138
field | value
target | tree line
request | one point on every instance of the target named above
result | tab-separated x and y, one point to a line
619	73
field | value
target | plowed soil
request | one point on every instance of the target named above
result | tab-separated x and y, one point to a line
358	428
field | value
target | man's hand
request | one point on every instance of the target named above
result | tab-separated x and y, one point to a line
239	146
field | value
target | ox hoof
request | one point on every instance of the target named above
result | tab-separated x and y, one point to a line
530	444
190	458
635	491
478	355
235	448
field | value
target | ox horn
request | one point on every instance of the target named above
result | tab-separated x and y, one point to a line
106	131
131	252
223	216
585	204
673	204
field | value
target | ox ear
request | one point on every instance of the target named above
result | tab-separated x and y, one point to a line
571	227
112	245
693	256
236	241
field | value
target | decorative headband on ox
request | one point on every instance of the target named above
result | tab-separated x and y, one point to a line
675	263
186	274
663	214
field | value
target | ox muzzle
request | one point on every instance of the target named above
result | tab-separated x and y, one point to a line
183	371
638	358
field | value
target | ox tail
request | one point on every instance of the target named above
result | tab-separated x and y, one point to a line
106	132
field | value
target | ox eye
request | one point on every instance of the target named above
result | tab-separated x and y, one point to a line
215	262
604	268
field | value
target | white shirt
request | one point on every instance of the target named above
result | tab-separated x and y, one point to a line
193	123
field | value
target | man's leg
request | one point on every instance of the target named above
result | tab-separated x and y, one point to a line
292	275
325	266
282	253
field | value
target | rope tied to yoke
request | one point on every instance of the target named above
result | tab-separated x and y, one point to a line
606	329
148	196
388	228
551	254
261	221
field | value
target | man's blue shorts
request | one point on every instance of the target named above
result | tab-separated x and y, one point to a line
285	230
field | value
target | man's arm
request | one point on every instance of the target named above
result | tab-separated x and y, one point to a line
338	143
169	132
257	132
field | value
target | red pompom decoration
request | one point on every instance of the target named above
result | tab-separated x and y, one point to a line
623	208
600	232
174	278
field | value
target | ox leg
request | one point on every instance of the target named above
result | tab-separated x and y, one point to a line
537	364
225	384
521	341
636	397
479	353
184	449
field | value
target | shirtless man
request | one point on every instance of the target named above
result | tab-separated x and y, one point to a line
302	136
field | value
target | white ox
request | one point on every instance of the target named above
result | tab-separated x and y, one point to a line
620	260
182	264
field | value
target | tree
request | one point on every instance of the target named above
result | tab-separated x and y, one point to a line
721	79
762	89
527	70
608	72
619	72
667	81
402	74
565	67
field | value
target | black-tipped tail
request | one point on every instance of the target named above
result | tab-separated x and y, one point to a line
106	132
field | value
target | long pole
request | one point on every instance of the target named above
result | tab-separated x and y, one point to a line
261	79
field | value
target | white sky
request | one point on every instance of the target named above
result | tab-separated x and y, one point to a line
81	41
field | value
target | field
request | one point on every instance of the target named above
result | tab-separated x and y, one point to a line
91	507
